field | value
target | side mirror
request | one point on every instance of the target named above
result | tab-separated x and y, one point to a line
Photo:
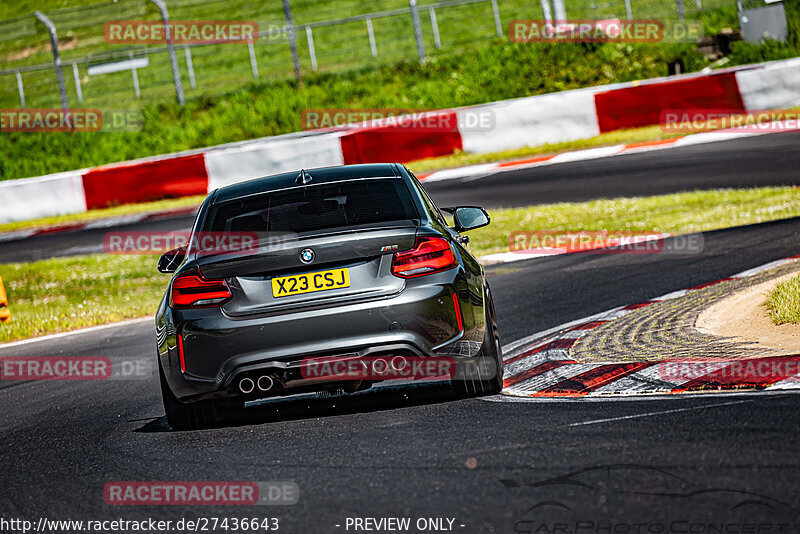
469	217
169	261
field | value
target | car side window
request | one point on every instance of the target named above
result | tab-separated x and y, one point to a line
429	201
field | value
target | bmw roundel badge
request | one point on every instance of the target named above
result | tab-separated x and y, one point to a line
307	255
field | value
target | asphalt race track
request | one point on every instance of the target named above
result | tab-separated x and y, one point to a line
684	464
419	452
747	162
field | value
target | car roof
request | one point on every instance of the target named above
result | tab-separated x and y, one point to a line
318	175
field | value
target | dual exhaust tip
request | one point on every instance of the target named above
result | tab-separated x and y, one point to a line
264	383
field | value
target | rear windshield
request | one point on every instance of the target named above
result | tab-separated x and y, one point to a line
315	208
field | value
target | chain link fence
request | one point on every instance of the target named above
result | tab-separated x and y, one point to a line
329	36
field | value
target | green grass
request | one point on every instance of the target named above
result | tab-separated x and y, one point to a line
320	10
220	69
67	293
783	302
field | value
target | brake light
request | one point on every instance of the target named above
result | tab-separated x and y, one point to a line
193	291
429	255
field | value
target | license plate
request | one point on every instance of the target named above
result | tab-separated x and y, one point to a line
310	282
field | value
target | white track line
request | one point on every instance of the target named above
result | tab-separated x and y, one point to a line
662	412
644	397
89	330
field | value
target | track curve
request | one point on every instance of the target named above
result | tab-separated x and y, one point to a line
492	465
420	452
747	162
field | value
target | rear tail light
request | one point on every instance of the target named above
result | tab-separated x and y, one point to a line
193	291
429	255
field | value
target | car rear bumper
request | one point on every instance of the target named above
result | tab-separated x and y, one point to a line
219	350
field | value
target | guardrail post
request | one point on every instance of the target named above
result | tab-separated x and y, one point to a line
187	51
312	50
51	29
417	29
498	25
173	59
681	9
372	47
546	14
287	14
21	90
77	78
435	26
253	61
559	11
135	76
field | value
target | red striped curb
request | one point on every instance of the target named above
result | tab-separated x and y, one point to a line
540	366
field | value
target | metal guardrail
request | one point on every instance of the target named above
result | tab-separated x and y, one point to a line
286	33
301	43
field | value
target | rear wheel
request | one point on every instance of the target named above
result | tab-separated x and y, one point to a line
483	375
199	414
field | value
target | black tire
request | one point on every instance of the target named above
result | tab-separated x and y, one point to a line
483	374
199	414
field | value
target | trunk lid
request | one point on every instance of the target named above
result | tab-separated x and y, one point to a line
366	254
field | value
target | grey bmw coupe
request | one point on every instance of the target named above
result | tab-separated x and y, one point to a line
341	264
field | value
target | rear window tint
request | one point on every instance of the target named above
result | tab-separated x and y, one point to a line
315	208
